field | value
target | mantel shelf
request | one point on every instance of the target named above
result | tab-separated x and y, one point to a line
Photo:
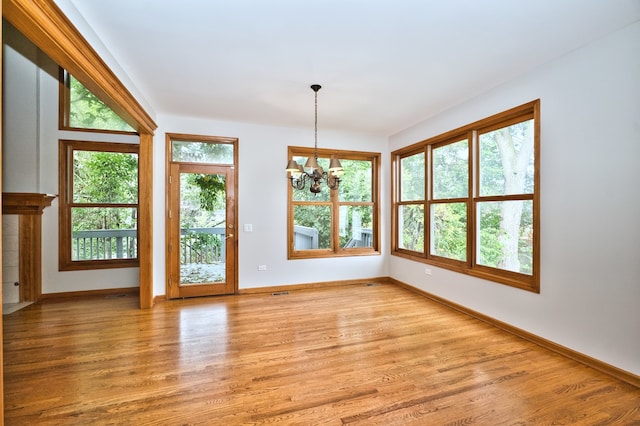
25	203
29	206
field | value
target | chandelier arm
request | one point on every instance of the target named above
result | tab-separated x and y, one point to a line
299	182
333	182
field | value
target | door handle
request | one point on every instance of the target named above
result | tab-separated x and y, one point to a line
229	236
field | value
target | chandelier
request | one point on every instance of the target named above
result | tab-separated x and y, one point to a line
312	172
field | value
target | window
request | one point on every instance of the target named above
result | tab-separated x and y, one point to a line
82	110
342	222
98	218
468	200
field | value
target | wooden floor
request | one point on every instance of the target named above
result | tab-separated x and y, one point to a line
357	355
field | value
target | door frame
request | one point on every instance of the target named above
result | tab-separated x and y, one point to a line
169	137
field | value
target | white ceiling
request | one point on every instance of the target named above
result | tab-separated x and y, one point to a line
383	64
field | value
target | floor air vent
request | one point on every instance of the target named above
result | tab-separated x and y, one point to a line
280	293
372	284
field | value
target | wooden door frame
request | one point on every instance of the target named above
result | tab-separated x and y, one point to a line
199	138
1	333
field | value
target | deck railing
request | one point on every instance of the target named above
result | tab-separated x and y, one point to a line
202	245
306	238
104	244
197	245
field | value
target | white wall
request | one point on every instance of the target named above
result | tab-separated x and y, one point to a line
19	124
262	202
590	204
30	155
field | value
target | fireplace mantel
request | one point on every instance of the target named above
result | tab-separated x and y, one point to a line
29	206
25	202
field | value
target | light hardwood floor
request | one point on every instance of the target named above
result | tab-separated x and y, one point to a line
357	355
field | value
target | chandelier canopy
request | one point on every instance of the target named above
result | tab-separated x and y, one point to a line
312	172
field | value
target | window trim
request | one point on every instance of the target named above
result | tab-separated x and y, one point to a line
336	250
65	170
530	110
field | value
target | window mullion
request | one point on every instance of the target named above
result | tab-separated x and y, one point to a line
428	197
471	204
335	217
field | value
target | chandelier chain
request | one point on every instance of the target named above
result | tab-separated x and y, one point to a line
315	150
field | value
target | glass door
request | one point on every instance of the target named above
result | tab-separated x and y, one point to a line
202	230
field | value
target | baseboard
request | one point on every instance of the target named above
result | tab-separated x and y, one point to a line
315	285
159	298
601	366
109	292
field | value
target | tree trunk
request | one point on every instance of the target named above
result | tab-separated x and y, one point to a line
515	170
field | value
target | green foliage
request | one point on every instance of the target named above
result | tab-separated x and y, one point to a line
202	152
412	227
451	170
318	217
491	249
202	200
202	205
86	111
492	244
506	160
356	182
104	178
212	190
412	178
449	223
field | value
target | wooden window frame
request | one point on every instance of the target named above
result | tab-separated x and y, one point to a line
397	195
530	110
335	250
65	185
432	201
64	108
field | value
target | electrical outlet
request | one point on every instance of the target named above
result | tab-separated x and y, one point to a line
262	267
427	271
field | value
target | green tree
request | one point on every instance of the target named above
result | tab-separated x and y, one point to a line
104	177
86	111
412	189
506	167
450	182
